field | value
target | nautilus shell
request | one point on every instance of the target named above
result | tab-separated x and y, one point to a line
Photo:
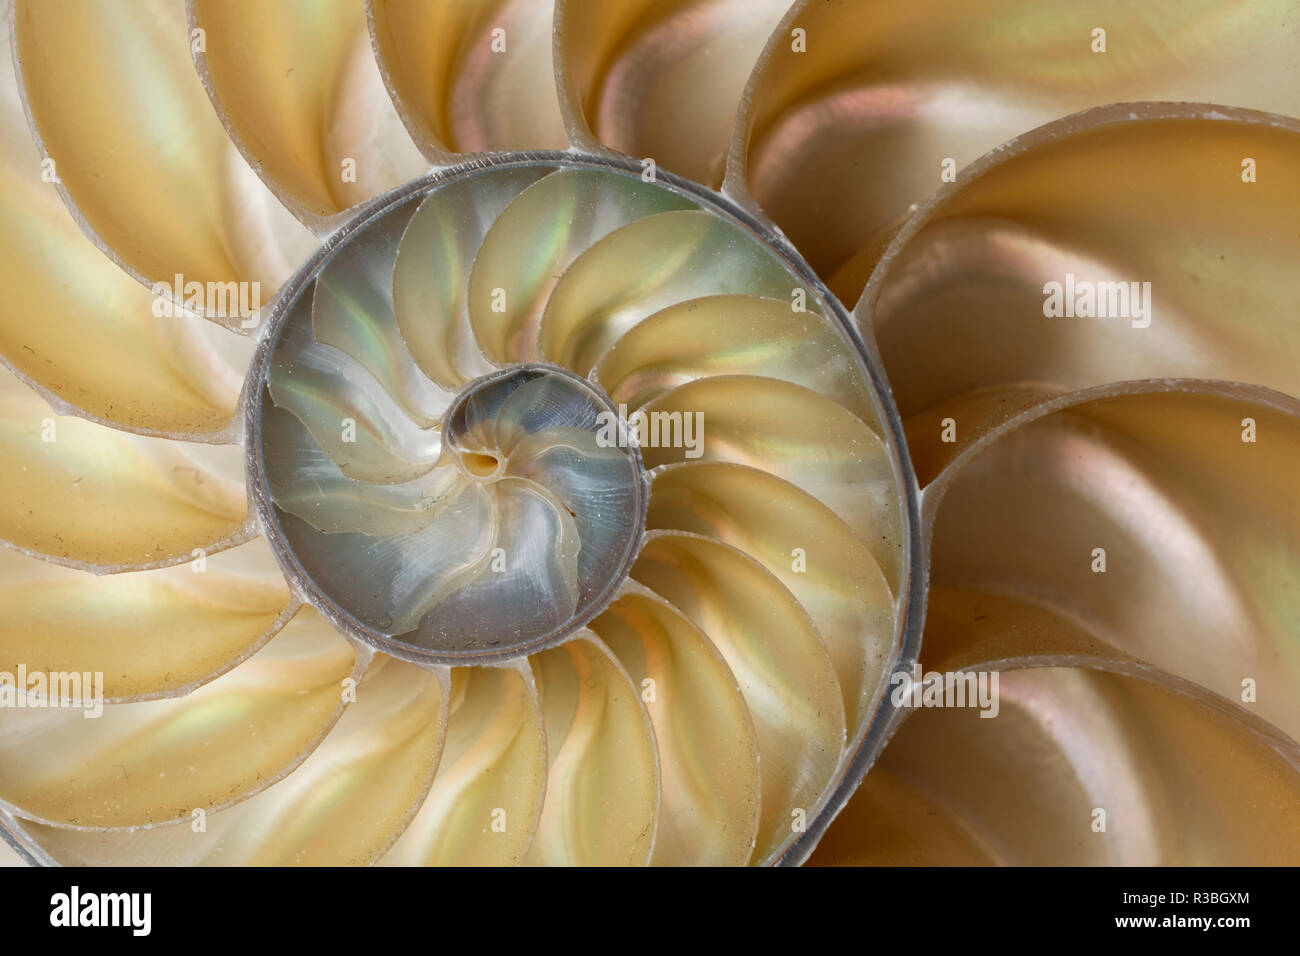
590	433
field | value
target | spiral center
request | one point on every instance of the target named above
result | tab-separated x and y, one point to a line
500	528
481	466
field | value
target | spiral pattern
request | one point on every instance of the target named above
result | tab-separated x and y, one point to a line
488	523
606	437
499	519
360	576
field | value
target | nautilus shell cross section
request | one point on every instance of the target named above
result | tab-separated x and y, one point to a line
567	432
547	429
458	402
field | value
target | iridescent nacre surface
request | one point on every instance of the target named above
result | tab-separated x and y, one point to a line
399	601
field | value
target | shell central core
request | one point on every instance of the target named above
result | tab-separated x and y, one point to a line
518	527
